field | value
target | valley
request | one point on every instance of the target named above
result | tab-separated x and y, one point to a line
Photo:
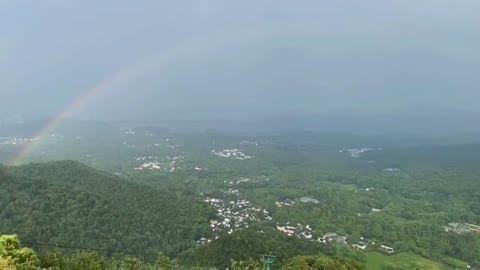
189	192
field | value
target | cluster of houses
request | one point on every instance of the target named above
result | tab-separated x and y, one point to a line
15	141
286	202
241	180
132	132
307	233
231	191
461	228
333	238
309	200
362	244
169	166
235	215
244	142
204	241
144	158
289	202
372	211
356	153
155	165
302	232
173	161
387	249
367	189
232	153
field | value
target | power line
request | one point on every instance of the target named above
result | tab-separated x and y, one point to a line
33	244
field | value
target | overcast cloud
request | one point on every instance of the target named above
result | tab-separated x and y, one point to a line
238	59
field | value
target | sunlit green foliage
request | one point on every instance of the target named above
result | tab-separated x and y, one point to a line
12	254
13	257
250	244
320	263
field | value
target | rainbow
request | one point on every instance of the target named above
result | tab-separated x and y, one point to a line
115	81
69	111
156	62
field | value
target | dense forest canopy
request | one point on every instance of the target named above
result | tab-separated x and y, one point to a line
67	203
13	256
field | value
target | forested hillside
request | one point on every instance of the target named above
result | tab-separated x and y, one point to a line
13	256
248	244
67	203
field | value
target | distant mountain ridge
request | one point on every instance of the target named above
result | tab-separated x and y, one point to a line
69	126
398	129
431	155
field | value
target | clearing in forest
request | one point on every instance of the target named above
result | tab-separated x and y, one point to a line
406	260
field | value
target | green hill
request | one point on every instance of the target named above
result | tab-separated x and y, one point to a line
67	203
14	256
249	244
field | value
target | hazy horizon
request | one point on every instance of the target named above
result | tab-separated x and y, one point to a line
249	61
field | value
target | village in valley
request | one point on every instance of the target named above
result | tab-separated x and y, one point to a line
237	196
234	211
170	165
232	153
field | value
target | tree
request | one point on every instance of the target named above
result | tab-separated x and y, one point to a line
377	231
12	253
164	263
320	263
355	237
246	265
6	264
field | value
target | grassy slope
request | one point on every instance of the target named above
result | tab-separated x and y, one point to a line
407	260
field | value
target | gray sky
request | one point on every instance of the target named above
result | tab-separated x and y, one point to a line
210	59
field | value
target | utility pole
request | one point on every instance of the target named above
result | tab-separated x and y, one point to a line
268	260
